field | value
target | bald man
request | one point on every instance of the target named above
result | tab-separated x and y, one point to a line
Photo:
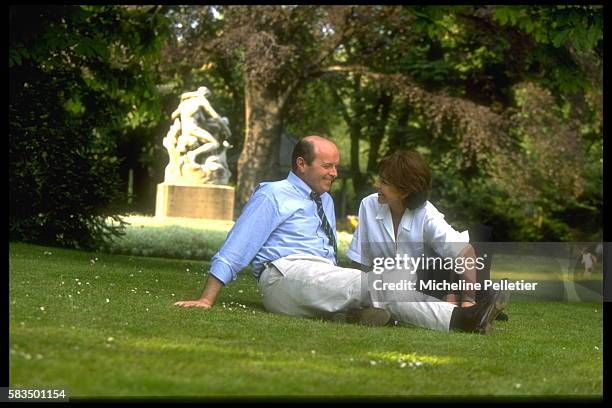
287	231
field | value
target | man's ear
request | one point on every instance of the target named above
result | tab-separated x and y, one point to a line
300	163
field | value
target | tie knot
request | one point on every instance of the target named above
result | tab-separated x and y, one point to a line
315	196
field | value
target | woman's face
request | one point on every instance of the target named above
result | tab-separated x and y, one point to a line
387	194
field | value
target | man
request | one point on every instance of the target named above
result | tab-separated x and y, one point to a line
287	231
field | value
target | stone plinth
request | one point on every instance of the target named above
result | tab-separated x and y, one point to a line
207	201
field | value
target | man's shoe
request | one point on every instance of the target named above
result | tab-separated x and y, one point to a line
502	317
489	308
371	316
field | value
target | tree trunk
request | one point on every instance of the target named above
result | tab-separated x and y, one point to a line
378	130
354	125
358	178
398	132
259	157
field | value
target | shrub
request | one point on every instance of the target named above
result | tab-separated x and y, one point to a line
62	183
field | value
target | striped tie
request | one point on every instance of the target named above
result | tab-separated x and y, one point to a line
324	223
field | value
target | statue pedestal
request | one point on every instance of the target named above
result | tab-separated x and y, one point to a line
206	201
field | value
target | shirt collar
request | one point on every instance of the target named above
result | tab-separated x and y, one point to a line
384	211
297	182
384	214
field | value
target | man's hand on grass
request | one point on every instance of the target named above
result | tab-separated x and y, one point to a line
205	304
212	287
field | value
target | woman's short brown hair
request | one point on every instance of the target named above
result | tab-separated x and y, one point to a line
409	173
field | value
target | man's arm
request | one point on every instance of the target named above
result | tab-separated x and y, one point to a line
211	289
251	230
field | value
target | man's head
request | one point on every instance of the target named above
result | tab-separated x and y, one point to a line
201	92
315	160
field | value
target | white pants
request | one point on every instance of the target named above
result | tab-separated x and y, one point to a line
311	286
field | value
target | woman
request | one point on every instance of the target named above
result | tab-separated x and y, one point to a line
399	222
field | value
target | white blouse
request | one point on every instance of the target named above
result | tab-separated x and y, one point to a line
374	235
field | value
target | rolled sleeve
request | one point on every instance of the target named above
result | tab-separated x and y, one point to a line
354	250
357	251
246	238
222	270
445	240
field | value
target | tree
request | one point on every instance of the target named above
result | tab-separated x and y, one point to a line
279	48
454	73
78	74
464	89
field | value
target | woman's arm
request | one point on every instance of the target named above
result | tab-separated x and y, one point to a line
357	265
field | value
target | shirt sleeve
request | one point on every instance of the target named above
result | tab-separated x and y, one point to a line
445	240
356	249
258	219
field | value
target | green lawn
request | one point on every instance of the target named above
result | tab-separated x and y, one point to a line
104	325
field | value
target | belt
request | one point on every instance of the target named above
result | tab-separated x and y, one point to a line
266	265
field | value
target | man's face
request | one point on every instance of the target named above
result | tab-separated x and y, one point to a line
323	170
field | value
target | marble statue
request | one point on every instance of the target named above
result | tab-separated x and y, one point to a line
197	142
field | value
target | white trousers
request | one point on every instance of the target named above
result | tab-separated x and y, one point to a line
311	286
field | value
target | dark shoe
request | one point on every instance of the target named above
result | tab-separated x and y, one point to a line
489	308
368	317
502	317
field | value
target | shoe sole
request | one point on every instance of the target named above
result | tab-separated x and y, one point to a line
374	317
500	303
501	317
367	317
339	317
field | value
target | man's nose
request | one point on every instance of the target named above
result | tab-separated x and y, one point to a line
334	171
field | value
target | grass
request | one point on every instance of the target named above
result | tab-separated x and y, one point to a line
104	325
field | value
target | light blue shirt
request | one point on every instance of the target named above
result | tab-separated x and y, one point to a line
279	219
